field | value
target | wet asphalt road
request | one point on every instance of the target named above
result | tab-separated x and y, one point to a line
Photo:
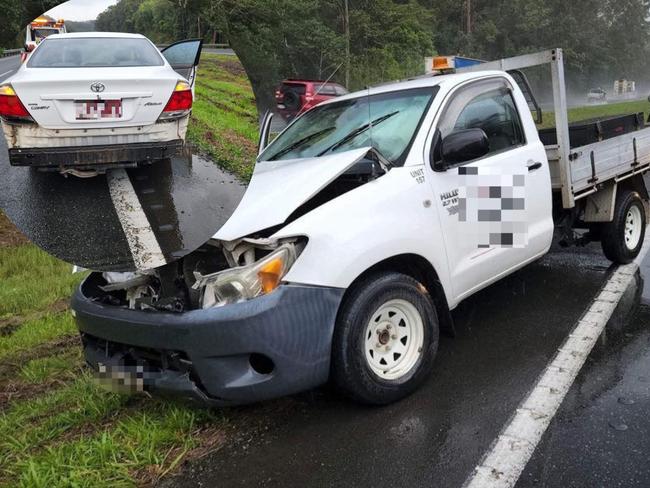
185	200
600	437
8	66
506	335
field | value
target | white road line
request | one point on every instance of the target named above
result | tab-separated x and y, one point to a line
143	244
512	449
7	72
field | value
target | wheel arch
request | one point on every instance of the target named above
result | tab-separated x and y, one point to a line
420	269
637	184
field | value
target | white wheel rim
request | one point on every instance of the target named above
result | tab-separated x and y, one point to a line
633	227
394	339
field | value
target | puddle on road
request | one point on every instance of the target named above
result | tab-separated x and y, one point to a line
185	199
186	202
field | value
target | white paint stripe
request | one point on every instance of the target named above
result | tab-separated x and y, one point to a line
7	72
513	448
143	244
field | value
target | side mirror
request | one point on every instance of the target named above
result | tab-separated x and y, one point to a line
464	145
458	147
265	131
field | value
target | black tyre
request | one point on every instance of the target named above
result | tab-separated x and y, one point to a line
291	100
622	238
385	340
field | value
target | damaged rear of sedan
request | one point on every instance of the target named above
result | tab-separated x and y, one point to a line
317	275
95	101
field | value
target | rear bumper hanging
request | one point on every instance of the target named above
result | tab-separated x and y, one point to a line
89	156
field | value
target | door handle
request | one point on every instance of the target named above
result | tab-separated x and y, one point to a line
533	165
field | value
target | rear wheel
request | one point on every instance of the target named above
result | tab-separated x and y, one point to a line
385	340
291	100
622	238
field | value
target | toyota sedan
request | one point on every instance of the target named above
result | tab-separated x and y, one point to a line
94	101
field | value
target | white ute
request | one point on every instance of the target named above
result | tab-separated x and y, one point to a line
92	101
366	221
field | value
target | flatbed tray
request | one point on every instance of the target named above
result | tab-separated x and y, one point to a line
589	131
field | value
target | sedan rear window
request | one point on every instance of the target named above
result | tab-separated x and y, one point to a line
295	87
95	52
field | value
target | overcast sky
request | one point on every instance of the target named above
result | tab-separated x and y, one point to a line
80	9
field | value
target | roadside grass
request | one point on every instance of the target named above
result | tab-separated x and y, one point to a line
224	123
30	280
57	426
40	370
602	110
36	332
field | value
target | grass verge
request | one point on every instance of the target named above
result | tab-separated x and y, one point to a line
224	122
593	111
57	427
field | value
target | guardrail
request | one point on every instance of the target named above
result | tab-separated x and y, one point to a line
217	46
205	46
10	52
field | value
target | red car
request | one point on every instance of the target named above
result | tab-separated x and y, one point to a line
294	97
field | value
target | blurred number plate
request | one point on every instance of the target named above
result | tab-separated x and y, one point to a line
98	109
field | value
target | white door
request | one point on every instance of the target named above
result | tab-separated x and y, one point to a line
495	210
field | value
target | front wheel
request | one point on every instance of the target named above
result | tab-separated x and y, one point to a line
385	340
622	238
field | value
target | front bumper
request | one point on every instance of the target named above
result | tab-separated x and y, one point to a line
90	156
213	356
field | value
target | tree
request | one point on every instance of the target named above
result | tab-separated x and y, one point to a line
277	39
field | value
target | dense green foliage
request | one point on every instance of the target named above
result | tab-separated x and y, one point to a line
602	39
388	39
162	21
306	39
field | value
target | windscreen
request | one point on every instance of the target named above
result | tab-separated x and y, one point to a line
43	33
95	53
387	121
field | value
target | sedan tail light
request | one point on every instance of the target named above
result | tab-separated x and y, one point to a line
10	105
180	103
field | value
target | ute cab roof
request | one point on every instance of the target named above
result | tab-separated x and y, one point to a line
444	81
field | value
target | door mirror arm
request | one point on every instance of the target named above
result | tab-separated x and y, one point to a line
435	157
265	132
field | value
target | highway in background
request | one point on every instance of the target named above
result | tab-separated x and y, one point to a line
8	66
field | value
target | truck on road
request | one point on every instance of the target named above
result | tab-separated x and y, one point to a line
367	220
41	28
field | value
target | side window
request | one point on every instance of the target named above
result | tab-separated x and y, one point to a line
489	106
340	90
325	90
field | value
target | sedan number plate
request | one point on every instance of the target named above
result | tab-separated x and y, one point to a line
98	109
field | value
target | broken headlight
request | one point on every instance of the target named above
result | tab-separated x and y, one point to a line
246	282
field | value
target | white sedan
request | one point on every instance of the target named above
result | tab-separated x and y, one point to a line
94	101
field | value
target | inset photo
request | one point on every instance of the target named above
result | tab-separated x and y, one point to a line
122	151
